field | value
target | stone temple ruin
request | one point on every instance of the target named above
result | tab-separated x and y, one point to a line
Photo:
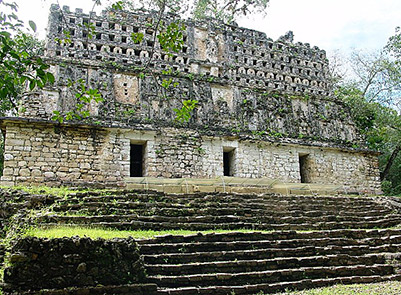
265	114
265	110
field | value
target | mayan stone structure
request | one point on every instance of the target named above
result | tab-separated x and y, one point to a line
265	109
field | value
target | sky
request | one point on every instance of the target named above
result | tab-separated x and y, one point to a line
328	24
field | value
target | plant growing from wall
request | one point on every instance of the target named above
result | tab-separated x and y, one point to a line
184	113
84	96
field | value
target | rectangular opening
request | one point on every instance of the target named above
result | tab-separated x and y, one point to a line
137	160
228	161
304	168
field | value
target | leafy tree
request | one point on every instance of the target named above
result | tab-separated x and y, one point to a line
224	10
373	95
228	10
20	63
377	75
393	46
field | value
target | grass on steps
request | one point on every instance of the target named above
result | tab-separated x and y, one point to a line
55	191
108	233
385	288
94	233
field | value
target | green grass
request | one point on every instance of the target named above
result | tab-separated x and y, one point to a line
46	190
385	288
94	233
107	233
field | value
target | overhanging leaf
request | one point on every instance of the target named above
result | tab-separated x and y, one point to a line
32	25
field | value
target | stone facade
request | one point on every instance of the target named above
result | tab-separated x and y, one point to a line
64	155
265	109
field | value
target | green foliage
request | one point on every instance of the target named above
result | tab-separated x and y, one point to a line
392	183
171	37
258	133
184	114
66	40
20	64
394	45
373	97
191	76
137	37
381	126
362	111
45	190
89	29
119	5
84	96
377	75
167	83
227	10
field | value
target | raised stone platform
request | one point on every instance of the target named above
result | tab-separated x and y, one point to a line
226	184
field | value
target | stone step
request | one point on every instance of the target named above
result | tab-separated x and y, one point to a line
275	235
268	253
154	209
226	203
144	195
272	220
262	264
116	193
262	244
200	226
270	276
276	287
225	199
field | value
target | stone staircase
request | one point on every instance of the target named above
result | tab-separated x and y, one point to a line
247	263
16	202
151	210
308	241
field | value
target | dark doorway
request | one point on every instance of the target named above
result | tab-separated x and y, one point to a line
228	165
303	168
136	160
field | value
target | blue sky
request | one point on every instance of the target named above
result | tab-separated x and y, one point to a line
328	24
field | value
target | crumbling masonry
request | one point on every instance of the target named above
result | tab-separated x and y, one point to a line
265	109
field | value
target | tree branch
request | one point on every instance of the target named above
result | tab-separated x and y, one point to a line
390	162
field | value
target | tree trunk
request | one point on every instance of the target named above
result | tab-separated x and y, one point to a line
390	162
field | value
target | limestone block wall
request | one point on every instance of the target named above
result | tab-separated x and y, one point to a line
39	153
